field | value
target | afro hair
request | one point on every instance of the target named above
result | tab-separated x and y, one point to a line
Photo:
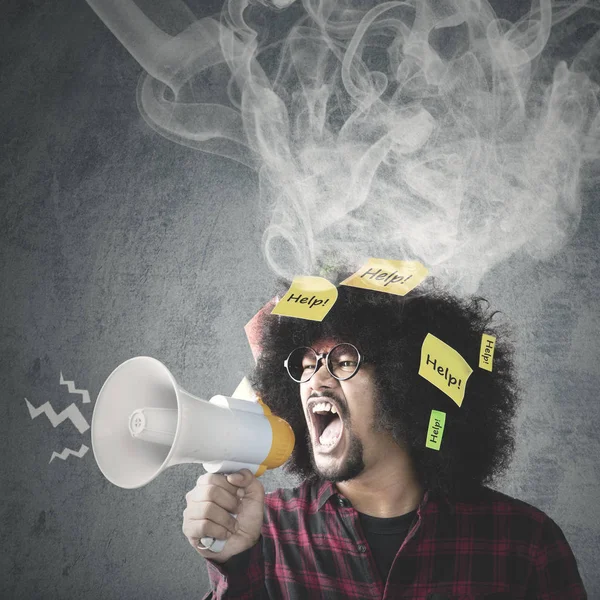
389	331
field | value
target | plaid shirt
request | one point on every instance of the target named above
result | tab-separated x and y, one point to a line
489	546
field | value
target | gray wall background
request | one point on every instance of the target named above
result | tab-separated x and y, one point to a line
116	242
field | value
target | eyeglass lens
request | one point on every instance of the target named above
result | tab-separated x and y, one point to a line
342	362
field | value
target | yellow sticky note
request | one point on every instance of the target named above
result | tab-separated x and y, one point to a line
486	353
444	367
437	421
391	276
308	298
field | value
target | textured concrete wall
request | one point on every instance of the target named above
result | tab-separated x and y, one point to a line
116	243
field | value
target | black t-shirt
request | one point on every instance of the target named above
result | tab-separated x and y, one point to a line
385	536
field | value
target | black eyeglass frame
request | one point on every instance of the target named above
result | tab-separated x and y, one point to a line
323	356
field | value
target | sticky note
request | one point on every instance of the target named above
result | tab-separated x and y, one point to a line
308	298
486	353
437	420
391	276
444	367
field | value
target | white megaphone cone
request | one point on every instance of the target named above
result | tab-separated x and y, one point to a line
144	422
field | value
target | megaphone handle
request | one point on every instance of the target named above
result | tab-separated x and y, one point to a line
224	467
212	544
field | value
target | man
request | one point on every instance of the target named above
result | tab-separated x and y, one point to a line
379	514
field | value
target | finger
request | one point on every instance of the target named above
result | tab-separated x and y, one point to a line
208	511
216	479
196	530
250	486
241	479
215	494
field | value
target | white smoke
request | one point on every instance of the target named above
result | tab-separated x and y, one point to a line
422	129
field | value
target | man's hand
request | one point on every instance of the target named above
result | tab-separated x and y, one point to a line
210	506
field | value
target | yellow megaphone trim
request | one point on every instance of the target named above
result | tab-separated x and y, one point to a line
282	444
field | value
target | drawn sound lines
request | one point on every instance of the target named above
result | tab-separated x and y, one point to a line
73	390
71	412
68	452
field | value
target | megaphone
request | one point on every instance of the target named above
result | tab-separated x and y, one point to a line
144	422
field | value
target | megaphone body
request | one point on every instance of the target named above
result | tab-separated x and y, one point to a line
144	422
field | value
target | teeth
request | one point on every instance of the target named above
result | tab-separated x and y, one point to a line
323	406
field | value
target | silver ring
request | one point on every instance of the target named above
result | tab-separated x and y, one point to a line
202	543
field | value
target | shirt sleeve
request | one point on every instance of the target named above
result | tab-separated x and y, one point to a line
555	575
242	577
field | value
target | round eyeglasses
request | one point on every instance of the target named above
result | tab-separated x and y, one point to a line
342	362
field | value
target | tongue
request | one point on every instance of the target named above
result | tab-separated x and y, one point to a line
331	432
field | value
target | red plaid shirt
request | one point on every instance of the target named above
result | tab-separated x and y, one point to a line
489	546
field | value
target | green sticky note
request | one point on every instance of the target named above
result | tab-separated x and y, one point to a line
436	429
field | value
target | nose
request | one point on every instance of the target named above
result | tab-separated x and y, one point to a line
322	377
320	363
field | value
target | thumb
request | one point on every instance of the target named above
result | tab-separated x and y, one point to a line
242	479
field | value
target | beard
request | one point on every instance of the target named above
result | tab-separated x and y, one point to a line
352	465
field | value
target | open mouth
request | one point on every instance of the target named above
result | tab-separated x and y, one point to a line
326	422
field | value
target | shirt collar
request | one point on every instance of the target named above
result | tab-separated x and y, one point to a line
324	492
326	489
